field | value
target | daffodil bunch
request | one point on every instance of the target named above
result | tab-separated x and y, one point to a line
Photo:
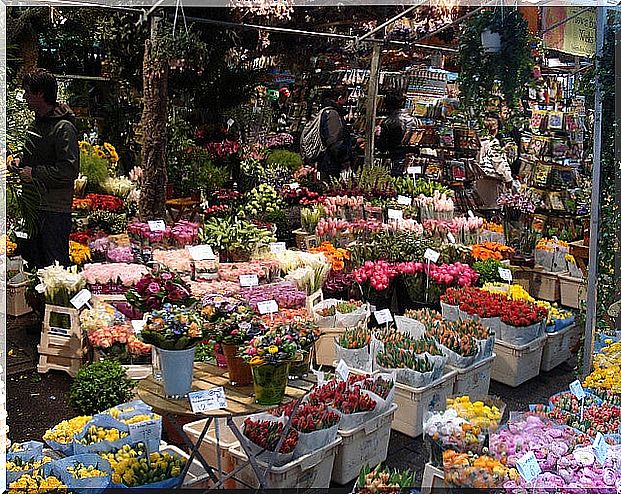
37	485
280	344
63	432
60	284
78	253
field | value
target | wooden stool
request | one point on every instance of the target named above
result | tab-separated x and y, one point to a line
61	348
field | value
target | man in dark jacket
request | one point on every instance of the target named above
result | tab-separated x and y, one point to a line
335	135
48	168
395	132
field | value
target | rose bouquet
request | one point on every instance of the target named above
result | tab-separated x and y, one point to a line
156	289
173	328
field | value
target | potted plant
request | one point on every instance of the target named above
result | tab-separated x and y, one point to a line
174	331
234	240
269	356
306	333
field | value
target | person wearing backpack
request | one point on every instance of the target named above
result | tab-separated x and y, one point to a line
326	139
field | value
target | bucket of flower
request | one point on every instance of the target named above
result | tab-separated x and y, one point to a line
380	387
17	467
521	322
103	433
61	437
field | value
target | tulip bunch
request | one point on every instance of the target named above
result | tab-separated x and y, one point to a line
96	434
382	479
81	471
380	386
266	435
425	344
352	400
477	413
63	432
137	472
522	314
311	418
17	464
355	338
330	227
428	317
37	484
394	357
491	250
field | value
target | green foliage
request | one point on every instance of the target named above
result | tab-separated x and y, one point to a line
99	386
94	168
511	67
488	271
284	158
234	236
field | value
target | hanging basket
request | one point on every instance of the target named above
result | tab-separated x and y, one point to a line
491	41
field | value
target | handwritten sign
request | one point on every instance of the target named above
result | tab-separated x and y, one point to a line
201	252
432	255
600	448
415	170
248	280
207	399
148	432
22	235
138	325
278	247
528	467
505	274
342	370
404	200
576	388
268	307
383	316
395	214
81	299
157	225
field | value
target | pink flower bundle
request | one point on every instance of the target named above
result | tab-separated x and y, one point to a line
101	274
201	288
184	232
120	335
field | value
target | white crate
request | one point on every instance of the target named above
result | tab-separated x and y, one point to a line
573	291
16	304
474	381
514	365
557	347
197	477
364	445
208	447
414	403
311	471
433	480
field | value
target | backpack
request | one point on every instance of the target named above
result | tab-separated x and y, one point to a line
311	145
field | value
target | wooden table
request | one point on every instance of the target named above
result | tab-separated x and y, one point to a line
179	207
239	400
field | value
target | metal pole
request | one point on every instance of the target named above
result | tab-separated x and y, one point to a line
372	104
591	304
391	20
618	160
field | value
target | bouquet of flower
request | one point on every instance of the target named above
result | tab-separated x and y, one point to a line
156	289
266	434
278	345
491	250
78	253
173	328
522	314
382	479
519	201
118	341
234	327
60	284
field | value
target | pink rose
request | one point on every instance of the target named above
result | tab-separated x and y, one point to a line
166	276
154	288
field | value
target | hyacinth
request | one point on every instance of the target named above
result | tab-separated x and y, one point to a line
59	284
280	140
173	328
517	200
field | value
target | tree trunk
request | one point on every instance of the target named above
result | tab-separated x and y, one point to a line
154	118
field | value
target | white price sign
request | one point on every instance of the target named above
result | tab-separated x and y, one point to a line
230	122
207	399
383	316
248	280
278	247
404	200
342	370
432	255
600	448
505	274
395	214
528	467
148	432
81	299
451	237
320	375
22	235
157	225
294	185
576	388
138	325
470	214
415	170
267	307
201	252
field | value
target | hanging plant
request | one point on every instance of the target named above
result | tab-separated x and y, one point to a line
495	58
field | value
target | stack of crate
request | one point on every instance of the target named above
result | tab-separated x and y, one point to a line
62	348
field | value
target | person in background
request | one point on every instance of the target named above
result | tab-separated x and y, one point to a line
335	135
281	109
395	132
49	165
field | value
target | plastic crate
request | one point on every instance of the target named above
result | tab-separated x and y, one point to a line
196	478
573	291
208	447
514	365
311	471
324	347
16	304
433	480
364	445
414	403
474	381
557	347
545	285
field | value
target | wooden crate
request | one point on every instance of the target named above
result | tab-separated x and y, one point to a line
545	285
53	362
304	240
61	348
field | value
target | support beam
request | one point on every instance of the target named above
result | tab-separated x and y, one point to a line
369	148
391	20
456	21
567	19
591	304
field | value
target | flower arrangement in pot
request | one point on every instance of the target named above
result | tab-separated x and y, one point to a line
269	356
306	333
174	331
232	323
156	289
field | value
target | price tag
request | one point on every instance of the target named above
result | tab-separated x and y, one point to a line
383	316
138	325
230	122
267	307
278	247
294	185
528	466
320	375
201	252
395	214
81	299
404	200
432	255
451	237
23	235
505	274
207	399
342	370
576	388
470	214
248	280
600	448
157	225
415	170
148	432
